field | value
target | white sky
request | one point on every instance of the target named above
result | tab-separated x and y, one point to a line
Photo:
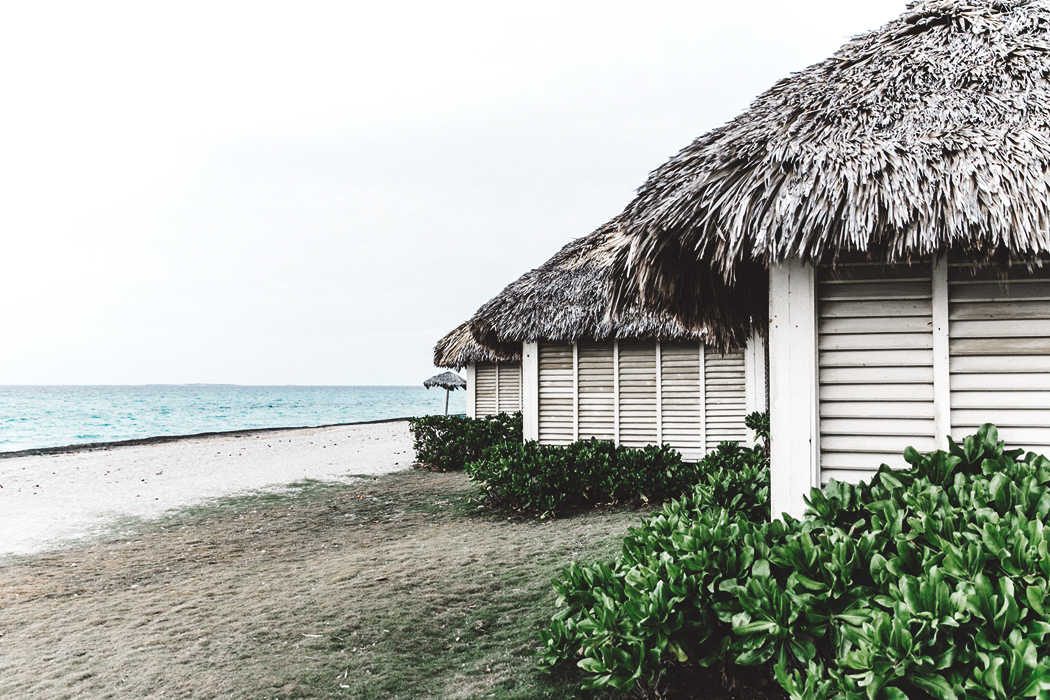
314	193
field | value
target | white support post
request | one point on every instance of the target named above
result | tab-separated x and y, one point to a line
754	379
530	391
703	398
472	391
794	439
659	396
616	391
497	388
942	395
575	391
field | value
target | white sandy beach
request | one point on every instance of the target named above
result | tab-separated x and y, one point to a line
49	500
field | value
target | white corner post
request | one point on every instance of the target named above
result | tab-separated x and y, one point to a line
530	391
472	391
942	393
794	440
754	379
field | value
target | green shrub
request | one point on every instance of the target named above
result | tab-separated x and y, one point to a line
737	478
447	443
546	478
927	582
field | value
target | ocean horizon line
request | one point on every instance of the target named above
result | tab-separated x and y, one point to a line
54	416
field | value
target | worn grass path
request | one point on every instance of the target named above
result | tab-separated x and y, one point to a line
393	587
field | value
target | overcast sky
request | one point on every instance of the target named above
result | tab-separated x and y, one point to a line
314	193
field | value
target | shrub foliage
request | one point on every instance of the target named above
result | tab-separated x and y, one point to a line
927	582
547	478
447	443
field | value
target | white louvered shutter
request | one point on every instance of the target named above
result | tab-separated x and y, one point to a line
875	350
682	398
556	421
999	350
509	396
637	393
597	408
725	397
485	389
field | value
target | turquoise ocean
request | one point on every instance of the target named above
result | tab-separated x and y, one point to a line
33	417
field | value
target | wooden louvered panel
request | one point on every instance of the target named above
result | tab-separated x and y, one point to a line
875	366
597	408
556	421
999	350
724	397
485	389
681	398
637	393
509	387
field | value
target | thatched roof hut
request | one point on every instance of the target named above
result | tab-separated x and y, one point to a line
930	133
641	378
459	349
566	299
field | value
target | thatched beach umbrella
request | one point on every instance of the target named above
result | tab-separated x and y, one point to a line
449	381
930	133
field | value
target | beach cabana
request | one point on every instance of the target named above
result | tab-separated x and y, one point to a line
493	374
896	200
641	379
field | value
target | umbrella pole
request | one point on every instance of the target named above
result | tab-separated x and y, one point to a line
446	402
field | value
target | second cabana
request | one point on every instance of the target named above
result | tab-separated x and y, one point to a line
638	380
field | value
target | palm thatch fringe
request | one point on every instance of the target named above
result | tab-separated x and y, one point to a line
459	349
566	299
931	133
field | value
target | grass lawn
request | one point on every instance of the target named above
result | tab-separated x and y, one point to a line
397	587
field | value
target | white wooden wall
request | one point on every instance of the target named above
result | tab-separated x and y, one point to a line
682	398
794	468
530	391
638	419
508	387
999	354
906	354
472	392
496	388
641	393
725	398
597	390
875	343
556	391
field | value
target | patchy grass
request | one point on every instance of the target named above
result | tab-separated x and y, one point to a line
393	587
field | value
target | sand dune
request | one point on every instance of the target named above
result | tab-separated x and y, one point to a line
49	500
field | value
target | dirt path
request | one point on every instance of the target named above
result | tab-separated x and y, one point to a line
396	587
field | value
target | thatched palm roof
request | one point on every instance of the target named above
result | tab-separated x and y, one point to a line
459	349
566	298
930	133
